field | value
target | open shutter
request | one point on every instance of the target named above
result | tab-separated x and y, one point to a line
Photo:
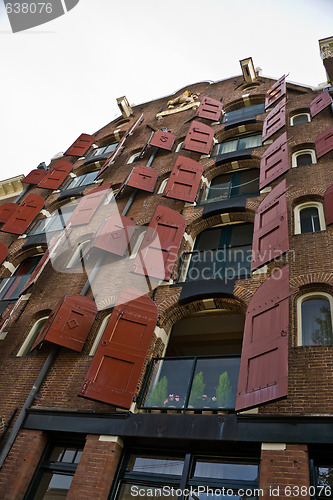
184	180
69	323
159	249
263	374
328	198
324	142
274	161
6	210
210	109
275	120
277	90
86	208
55	177
143	178
199	138
115	235
270	234
21	219
81	145
117	365
163	140
320	102
3	252
35	176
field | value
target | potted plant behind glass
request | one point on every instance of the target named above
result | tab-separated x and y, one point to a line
159	393
224	391
197	391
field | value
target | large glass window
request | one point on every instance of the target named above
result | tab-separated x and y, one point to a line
103	151
246	112
237	144
233	184
56	222
315	318
81	180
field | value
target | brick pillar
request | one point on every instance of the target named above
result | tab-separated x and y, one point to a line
21	463
96	470
284	465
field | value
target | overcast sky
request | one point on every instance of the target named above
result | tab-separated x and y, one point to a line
62	78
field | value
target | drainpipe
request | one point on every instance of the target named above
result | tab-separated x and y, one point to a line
35	388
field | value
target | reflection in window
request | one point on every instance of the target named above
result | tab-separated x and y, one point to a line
233	184
316	321
237	144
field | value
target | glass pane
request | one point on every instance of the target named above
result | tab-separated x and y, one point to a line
156	465
309	218
297	120
40	226
208	239
56	453
69	455
241	234
215	383
227	147
53	486
130	491
325	476
305	159
249	183
110	148
316	322
220	187
169	383
222	470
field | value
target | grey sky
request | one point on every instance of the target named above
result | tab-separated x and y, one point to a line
63	78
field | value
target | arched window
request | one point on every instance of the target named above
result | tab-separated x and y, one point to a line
99	335
179	147
309	218
134	157
10	288
219	252
31	337
303	158
314	314
300	118
233	184
237	144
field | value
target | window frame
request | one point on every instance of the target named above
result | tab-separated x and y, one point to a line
233	174
99	335
31	337
237	138
297	216
68	187
301	152
303	298
292	118
134	157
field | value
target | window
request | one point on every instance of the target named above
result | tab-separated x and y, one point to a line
103	151
31	337
314	314
55	473
309	218
300	118
219	252
75	260
162	185
179	147
242	113
237	144
321	469
82	180
233	184
134	157
56	222
304	157
10	288
146	475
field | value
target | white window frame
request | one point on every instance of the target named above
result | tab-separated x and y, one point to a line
299	114
162	185
99	335
303	152
179	146
309	204
31	337
303	298
133	157
77	253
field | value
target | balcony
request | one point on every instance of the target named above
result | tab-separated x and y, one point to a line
188	383
10	288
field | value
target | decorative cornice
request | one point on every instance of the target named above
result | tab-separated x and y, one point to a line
11	187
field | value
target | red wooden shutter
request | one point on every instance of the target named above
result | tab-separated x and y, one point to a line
324	142
210	109
328	198
143	178
159	249
81	145
270	234
35	176
6	210
274	161
199	138
3	252
117	365
55	177
69	323
275	120
115	235
163	140
21	219
184	180
86	208
277	90
263	374
320	102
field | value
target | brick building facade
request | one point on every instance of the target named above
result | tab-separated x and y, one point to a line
166	302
